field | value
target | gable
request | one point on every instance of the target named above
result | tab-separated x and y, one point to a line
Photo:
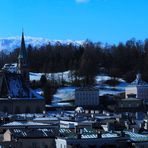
3	86
16	86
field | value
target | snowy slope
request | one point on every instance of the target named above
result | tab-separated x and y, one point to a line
67	93
10	43
57	76
67	77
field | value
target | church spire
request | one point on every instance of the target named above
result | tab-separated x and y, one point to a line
23	60
23	41
23	51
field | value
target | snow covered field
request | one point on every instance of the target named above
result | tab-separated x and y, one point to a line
57	76
67	93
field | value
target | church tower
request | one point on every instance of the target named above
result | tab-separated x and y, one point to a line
23	68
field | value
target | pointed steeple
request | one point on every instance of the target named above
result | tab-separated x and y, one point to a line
23	61
138	80
138	77
23	41
23	51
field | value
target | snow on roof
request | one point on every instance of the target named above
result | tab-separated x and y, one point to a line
38	91
87	89
37	96
32	133
64	93
137	137
104	117
87	133
79	110
35	76
45	119
62	104
109	135
16	87
12	67
110	91
102	78
23	124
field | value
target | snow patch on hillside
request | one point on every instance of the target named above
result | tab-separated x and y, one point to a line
10	43
68	93
66	76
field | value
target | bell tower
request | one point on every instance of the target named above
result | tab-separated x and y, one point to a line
23	67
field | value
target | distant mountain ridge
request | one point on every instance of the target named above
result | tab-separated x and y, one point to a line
10	43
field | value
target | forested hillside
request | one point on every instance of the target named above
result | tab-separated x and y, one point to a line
87	60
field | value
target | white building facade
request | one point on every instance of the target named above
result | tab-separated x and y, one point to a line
137	89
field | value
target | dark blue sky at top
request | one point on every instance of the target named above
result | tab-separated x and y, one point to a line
109	21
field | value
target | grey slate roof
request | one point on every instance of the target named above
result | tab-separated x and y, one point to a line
12	86
32	133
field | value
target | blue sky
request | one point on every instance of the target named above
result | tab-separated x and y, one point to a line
109	21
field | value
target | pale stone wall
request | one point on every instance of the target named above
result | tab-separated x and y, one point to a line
7	136
130	90
140	91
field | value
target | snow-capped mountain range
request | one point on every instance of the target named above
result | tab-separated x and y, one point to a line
10	43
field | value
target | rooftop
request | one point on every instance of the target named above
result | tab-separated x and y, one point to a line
130	99
12	67
20	124
137	137
32	133
87	89
138	81
87	133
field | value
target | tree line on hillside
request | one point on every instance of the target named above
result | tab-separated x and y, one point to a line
123	60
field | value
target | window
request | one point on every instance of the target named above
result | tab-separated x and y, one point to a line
131	95
17	110
34	145
92	146
27	109
5	109
45	146
38	110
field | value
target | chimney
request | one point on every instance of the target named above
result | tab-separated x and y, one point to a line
108	126
122	133
138	76
77	129
99	135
